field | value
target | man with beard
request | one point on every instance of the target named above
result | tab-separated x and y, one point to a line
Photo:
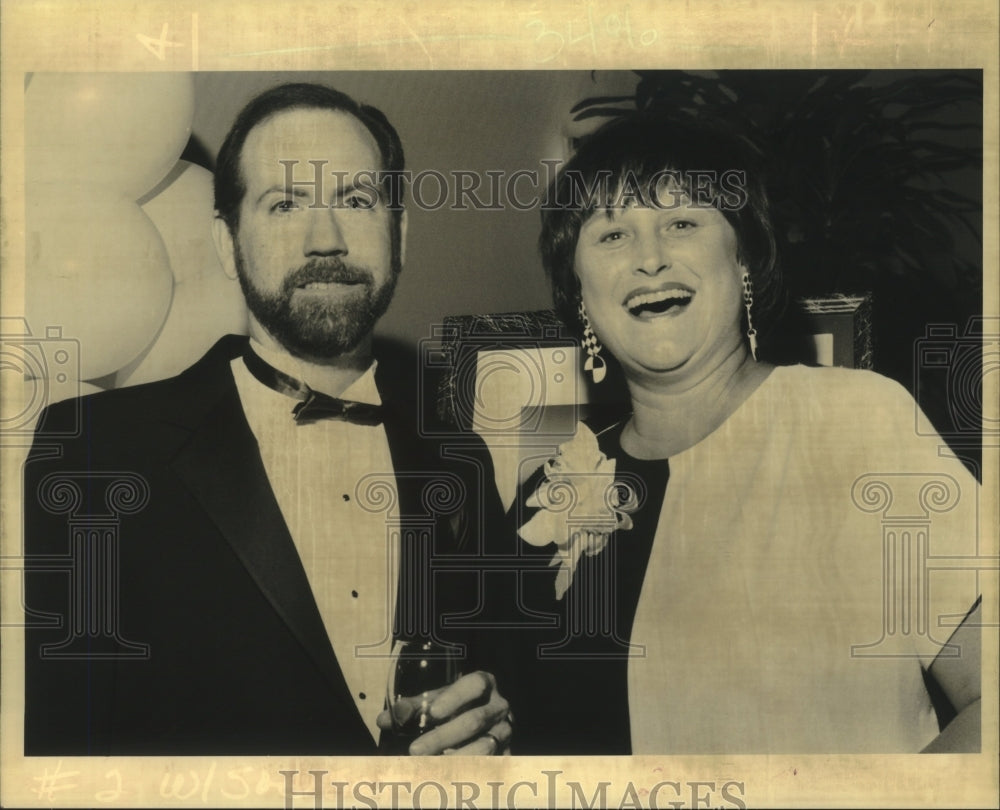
246	539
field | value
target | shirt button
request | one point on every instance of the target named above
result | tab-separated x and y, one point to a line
362	695
354	594
346	497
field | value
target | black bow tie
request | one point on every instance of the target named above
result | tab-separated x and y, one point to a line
312	405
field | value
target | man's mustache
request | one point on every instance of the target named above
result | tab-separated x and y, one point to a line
327	271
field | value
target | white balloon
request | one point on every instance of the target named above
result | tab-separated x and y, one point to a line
121	131
206	303
182	208
196	320
96	268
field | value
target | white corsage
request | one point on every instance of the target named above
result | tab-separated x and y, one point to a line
580	503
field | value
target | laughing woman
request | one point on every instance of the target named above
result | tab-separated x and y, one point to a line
744	563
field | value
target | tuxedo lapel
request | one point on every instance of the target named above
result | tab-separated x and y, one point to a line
220	465
415	456
433	502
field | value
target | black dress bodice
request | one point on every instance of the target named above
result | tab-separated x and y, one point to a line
570	690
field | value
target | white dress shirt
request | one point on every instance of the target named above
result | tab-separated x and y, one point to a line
314	470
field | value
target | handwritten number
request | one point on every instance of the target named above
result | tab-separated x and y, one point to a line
590	34
115	793
547	32
158	47
612	27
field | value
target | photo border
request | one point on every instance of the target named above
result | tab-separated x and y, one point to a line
94	36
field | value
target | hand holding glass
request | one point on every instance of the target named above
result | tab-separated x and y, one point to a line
418	672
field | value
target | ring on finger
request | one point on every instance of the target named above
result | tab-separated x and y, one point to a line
497	745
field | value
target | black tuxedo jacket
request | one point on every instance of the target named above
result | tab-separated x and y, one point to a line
167	609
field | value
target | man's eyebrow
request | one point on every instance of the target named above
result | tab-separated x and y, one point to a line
280	188
301	190
348	188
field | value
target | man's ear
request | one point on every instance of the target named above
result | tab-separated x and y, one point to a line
224	247
403	223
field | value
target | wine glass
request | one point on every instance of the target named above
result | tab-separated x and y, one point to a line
419	669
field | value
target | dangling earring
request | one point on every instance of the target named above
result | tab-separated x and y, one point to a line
594	363
748	302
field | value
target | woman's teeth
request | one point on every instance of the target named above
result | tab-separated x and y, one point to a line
657	302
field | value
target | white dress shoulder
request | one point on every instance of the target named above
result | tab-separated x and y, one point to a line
811	555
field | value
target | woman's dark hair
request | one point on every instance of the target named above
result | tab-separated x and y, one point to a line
230	185
633	156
